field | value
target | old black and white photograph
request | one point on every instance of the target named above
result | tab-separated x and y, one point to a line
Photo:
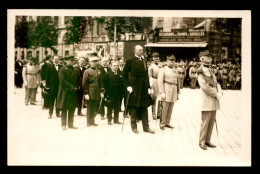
128	87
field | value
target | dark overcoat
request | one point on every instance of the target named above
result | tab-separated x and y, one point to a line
67	94
52	78
135	74
114	87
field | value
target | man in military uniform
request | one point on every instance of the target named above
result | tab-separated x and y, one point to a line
182	73
67	94
92	89
192	74
211	94
153	72
169	89
232	77
224	76
31	80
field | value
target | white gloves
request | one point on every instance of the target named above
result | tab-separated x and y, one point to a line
163	96
129	89
102	95
25	83
86	97
219	95
150	91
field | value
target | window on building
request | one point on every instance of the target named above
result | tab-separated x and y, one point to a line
29	54
22	55
56	20
67	52
37	54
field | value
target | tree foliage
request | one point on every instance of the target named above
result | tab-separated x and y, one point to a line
75	30
21	34
121	27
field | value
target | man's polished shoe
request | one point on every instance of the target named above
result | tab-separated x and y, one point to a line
58	115
203	147
169	126
94	124
118	122
32	103
109	123
210	145
64	128
49	117
102	118
73	127
135	131
149	131
126	116
162	127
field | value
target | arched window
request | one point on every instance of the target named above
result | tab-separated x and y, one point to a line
37	54
22	55
46	52
29	54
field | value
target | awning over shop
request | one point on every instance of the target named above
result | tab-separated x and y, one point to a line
177	44
202	24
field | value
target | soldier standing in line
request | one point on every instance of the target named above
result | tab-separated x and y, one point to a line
67	94
182	73
232	76
224	76
31	81
92	89
211	94
192	74
219	74
153	72
169	89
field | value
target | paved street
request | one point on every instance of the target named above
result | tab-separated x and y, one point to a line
33	139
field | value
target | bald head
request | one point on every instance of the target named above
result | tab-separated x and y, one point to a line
138	49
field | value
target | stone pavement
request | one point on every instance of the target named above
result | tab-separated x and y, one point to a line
33	139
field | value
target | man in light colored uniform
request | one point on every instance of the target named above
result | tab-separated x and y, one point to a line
169	89
210	95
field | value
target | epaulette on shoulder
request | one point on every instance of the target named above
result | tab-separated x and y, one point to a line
199	70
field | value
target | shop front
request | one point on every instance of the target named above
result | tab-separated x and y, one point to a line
184	45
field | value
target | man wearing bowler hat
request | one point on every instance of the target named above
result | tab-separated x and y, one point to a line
169	89
68	80
210	95
92	89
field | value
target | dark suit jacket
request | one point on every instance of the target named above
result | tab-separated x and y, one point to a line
68	80
114	87
135	74
52	78
80	77
43	70
103	73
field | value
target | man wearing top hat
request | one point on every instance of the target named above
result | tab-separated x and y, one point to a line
136	81
153	72
92	89
210	96
52	83
169	89
68	80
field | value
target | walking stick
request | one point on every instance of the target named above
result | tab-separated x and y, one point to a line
100	105
216	126
127	97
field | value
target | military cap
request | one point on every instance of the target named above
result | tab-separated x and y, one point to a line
204	53
172	57
155	54
206	59
93	57
214	66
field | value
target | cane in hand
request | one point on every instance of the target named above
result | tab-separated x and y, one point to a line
125	112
